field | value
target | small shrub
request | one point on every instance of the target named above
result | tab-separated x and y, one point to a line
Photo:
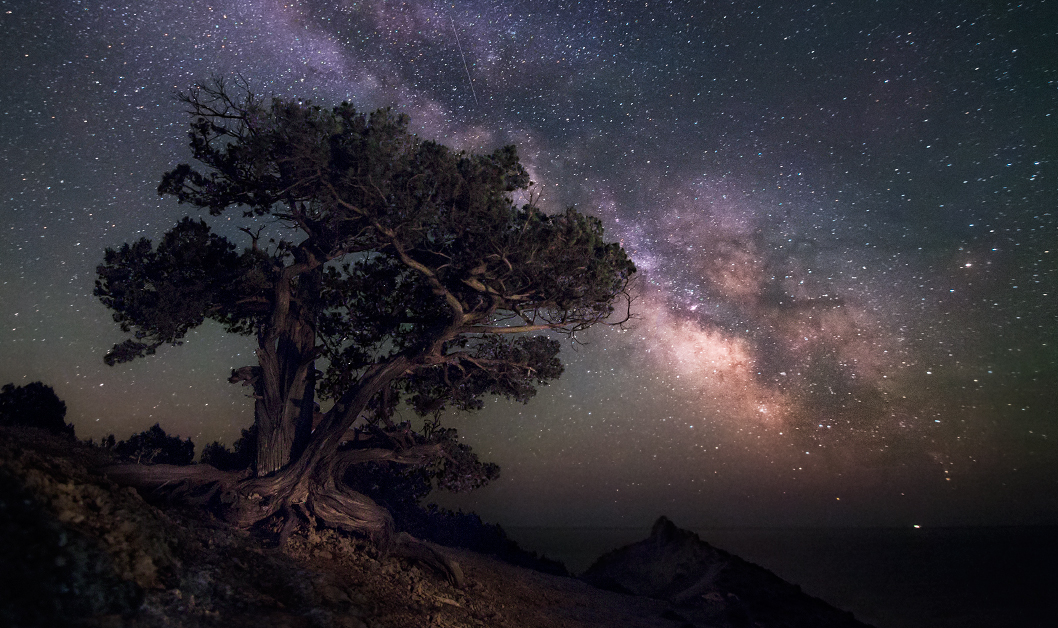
154	446
219	456
34	405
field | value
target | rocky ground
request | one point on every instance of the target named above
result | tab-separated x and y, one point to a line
78	550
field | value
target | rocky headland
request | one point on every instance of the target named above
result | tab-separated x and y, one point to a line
708	587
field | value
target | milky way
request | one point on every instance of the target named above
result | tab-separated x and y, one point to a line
843	215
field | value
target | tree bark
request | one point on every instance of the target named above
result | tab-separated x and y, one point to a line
286	400
286	352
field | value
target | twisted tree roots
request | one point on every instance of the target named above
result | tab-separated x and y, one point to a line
244	501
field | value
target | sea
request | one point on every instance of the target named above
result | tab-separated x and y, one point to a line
957	577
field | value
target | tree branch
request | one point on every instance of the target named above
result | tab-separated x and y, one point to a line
483	329
415	455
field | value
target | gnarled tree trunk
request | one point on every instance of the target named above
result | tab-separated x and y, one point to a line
286	350
285	400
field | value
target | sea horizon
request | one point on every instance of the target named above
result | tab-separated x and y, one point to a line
992	576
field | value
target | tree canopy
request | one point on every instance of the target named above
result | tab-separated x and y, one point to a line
378	269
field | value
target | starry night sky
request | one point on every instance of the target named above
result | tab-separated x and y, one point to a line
845	216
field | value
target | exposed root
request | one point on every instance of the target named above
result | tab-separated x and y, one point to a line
288	526
352	512
159	475
408	546
196	485
246	501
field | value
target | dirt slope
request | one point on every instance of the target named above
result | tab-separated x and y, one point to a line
78	550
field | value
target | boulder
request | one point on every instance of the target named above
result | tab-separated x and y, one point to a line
708	587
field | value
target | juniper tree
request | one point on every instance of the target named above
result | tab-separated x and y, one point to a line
379	270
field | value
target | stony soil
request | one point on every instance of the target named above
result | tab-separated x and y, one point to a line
78	550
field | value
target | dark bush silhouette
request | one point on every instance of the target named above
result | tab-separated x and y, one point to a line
34	405
154	446
219	456
466	529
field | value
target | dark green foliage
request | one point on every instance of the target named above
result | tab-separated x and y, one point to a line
164	292
355	183
458	470
35	405
236	459
399	487
510	367
395	486
154	446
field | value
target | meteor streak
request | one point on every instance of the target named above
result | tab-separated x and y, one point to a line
469	80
